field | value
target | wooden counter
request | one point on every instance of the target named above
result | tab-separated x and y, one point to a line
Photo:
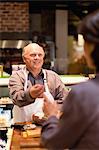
26	140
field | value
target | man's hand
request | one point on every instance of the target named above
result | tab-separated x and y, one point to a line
50	109
36	91
38	119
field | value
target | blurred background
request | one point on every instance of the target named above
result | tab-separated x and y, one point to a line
53	22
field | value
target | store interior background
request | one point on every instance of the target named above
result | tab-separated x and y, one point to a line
56	21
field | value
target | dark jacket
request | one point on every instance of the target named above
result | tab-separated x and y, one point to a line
78	127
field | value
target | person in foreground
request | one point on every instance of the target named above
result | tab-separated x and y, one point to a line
78	126
27	85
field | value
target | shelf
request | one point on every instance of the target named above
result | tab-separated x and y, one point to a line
4	81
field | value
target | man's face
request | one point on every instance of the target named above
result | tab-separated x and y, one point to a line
34	57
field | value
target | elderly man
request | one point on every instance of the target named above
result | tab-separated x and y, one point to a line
27	85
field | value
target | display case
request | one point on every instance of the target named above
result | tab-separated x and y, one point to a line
6	107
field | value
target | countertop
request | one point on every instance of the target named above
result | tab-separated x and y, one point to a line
66	79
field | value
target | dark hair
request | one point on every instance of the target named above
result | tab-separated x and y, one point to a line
89	28
95	56
40	39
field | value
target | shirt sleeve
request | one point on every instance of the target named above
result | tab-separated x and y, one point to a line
16	90
61	91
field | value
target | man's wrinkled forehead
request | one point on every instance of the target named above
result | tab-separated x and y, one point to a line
33	47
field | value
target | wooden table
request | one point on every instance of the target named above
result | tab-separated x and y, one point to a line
26	140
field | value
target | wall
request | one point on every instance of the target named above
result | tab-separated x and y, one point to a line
16	22
14	17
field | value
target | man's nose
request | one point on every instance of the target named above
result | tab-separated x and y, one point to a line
36	56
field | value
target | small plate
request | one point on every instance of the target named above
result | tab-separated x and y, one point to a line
29	126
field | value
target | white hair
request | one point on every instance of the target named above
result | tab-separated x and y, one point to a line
29	46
